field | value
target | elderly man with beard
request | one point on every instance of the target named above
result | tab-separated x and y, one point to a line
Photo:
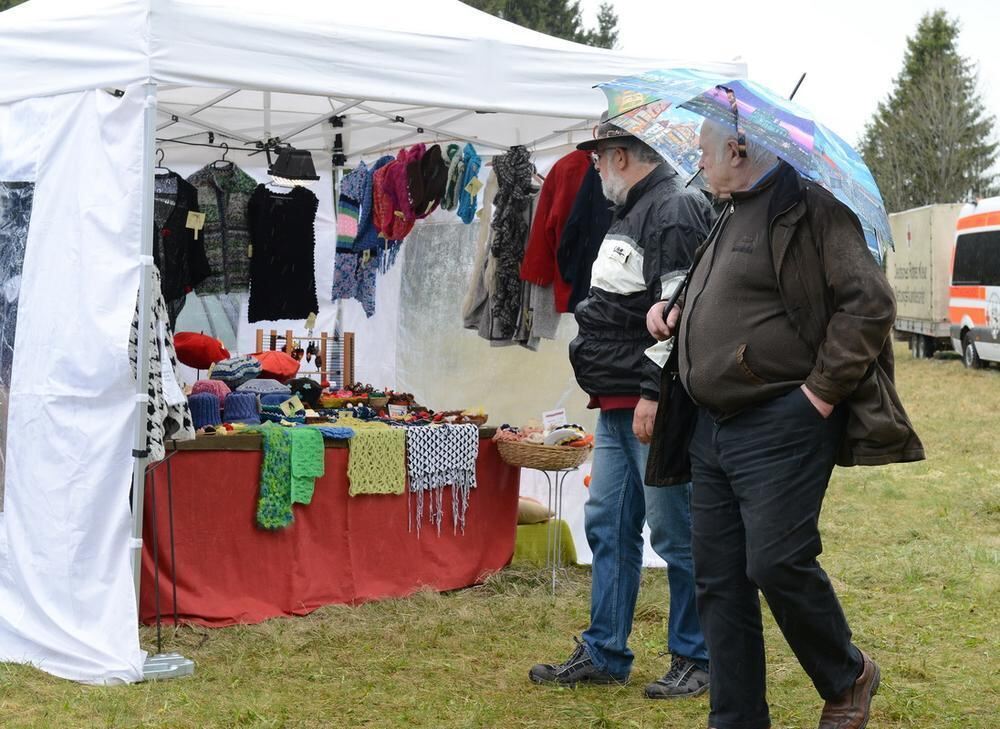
656	227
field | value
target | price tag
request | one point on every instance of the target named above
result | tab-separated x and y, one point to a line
195	221
311	321
552	419
474	186
291	406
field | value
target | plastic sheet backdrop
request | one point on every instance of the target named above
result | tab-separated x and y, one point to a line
448	367
15	213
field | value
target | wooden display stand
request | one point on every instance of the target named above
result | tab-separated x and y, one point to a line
334	352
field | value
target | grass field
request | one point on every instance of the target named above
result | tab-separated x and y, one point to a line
914	551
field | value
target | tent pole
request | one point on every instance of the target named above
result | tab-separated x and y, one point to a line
168	111
145	305
318	120
202	107
161	665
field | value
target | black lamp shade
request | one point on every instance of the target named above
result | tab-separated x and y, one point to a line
294	164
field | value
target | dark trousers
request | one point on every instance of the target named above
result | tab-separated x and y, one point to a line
759	481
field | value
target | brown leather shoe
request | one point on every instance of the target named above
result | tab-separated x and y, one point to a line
851	710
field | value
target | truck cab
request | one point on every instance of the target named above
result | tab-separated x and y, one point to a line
974	294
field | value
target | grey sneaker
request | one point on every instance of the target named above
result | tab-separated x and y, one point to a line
684	679
579	668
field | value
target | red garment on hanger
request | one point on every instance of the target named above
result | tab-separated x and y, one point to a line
554	204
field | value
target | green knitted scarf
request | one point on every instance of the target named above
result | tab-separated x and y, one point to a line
377	462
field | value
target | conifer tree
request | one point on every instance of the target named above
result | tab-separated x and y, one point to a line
931	140
560	18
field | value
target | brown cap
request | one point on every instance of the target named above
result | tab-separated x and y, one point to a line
603	130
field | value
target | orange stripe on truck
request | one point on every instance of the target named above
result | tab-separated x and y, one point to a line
968	292
958	313
982	220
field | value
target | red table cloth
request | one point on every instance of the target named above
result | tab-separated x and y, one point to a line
339	549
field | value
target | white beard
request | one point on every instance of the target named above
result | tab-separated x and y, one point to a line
614	187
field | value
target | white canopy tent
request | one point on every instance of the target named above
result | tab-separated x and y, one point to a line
247	71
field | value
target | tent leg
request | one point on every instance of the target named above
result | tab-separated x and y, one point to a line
164	665
142	354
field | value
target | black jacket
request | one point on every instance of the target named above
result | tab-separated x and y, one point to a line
651	241
585	228
179	256
841	304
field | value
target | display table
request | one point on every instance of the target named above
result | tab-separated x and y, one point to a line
339	549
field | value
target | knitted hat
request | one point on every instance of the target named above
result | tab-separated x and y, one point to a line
205	409
274	414
393	213
352	194
466	200
277	365
262	387
307	389
427	178
217	387
272	398
241	407
368	235
455	168
236	370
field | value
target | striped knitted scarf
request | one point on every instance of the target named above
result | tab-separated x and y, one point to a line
510	234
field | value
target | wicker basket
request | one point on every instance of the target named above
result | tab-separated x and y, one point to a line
378	401
542	457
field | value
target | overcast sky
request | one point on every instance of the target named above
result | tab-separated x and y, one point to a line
851	50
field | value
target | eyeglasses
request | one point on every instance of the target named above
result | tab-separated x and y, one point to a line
595	156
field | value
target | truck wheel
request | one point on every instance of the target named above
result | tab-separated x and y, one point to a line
921	346
970	357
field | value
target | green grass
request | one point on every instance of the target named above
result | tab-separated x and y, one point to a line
914	551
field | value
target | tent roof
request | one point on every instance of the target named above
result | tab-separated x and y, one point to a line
382	57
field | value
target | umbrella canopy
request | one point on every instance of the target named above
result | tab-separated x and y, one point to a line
666	108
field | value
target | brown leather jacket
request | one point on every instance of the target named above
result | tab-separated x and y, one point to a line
842	306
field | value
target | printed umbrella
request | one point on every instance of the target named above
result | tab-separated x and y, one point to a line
665	108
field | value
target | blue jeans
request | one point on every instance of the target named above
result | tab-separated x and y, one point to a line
614	514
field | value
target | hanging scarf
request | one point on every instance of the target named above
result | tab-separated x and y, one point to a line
308	454
274	506
456	167
510	234
439	456
377	463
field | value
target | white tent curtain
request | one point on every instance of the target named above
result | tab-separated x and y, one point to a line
66	596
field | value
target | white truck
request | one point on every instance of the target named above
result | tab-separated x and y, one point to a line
919	270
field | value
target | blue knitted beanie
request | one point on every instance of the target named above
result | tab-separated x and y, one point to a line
241	407
273	398
205	409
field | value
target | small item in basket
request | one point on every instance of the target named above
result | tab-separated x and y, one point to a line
564	435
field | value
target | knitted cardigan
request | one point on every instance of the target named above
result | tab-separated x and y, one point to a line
223	196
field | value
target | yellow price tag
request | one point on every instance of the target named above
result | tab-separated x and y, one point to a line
474	186
291	406
195	221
